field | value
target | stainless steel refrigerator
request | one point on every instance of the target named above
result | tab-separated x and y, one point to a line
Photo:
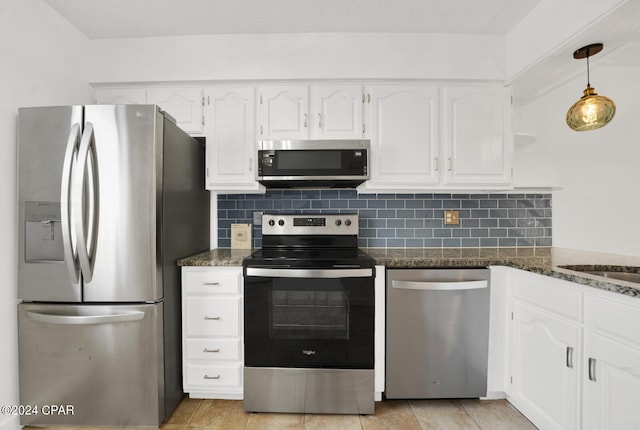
109	197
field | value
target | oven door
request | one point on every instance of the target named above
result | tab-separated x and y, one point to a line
309	318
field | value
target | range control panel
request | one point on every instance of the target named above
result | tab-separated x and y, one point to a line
294	224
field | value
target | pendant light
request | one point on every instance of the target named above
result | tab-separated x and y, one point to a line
591	111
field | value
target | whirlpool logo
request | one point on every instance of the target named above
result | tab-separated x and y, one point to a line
308	352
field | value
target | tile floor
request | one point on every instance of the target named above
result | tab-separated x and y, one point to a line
198	414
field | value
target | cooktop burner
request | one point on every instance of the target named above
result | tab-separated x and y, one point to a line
310	241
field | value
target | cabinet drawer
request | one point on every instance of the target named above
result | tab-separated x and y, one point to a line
213	349
218	281
614	318
212	316
549	294
212	376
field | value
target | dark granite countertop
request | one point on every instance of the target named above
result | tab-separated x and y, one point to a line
542	260
217	257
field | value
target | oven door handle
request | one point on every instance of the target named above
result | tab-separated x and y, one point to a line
308	273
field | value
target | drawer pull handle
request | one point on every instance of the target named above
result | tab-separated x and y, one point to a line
211	350
211	318
212	284
211	377
570	357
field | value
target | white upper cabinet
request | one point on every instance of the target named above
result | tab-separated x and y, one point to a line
427	137
337	112
310	112
121	96
404	137
424	137
182	103
230	139
283	112
476	132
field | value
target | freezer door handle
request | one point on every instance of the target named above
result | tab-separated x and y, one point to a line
84	319
440	285
86	221
69	239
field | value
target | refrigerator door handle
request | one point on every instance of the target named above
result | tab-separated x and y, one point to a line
84	319
68	236
86	221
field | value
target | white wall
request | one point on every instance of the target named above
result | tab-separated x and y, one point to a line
39	53
298	56
598	171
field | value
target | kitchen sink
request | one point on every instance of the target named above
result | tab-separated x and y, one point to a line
621	273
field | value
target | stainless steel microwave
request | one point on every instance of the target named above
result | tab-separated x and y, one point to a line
313	163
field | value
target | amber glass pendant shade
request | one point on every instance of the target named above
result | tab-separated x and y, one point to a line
591	111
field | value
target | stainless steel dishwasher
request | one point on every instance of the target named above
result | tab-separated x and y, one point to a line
437	333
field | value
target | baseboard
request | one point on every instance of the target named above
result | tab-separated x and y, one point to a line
495	395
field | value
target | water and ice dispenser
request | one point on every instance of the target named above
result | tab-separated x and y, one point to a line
43	232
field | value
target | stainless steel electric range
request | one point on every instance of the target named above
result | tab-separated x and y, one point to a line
309	317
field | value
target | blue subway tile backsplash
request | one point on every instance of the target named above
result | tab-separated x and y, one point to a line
406	220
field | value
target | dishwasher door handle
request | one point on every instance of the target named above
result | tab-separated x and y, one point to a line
440	285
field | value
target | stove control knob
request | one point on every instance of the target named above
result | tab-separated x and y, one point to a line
272	222
338	222
281	222
347	222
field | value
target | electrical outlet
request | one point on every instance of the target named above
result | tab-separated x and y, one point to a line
451	217
257	218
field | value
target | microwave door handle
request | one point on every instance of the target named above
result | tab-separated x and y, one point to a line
68	238
86	236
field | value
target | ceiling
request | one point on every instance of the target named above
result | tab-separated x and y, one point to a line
100	19
117	19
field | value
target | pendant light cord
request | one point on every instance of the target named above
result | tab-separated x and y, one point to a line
588	78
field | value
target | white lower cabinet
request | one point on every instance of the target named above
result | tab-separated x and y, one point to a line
574	354
545	355
212	330
612	354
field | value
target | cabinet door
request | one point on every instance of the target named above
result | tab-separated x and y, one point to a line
546	364
283	112
612	354
121	96
477	135
337	112
612	386
404	136
184	104
230	138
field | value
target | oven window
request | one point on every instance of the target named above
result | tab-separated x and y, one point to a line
309	314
